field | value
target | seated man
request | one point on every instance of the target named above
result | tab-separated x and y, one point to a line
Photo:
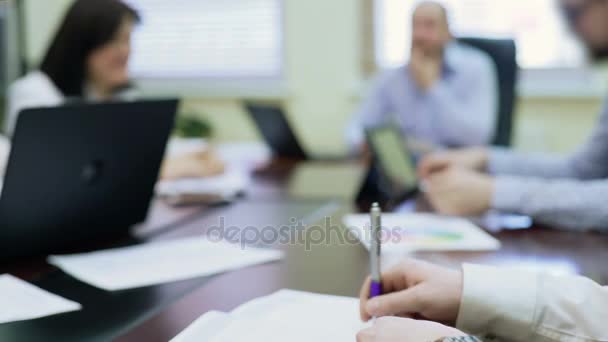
565	192
494	304
445	97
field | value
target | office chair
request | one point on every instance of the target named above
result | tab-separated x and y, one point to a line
504	54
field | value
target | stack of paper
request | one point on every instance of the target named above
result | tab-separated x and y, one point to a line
284	316
221	188
157	263
22	301
183	146
240	159
422	232
247	155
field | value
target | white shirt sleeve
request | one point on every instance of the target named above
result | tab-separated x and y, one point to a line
5	149
34	90
525	306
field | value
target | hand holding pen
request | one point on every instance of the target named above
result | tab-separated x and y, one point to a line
415	289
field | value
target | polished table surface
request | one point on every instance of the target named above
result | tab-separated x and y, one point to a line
319	258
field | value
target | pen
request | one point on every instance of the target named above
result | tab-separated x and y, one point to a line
376	227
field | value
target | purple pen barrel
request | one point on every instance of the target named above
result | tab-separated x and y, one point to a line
375	289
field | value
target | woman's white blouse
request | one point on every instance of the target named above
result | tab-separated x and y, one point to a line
33	90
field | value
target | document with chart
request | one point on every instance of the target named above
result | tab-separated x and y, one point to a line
422	232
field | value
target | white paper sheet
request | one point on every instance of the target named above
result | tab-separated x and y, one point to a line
205	328
156	263
21	301
422	232
247	155
284	316
240	160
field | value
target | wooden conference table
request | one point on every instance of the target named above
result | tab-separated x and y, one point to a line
332	266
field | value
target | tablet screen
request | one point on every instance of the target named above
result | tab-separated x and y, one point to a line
393	158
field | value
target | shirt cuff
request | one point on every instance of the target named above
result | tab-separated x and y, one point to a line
498	303
499	160
509	194
460	339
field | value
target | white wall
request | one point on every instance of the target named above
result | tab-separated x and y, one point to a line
43	17
322	74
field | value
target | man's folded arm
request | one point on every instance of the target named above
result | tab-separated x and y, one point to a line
589	162
372	112
561	203
506	162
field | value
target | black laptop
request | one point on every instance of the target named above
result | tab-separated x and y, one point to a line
81	172
274	127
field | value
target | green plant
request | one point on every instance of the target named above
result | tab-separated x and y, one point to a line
188	126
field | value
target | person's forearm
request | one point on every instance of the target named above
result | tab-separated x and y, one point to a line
354	136
589	162
372	112
507	162
525	306
5	149
562	203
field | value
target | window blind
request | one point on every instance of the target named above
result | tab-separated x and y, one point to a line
537	27
208	39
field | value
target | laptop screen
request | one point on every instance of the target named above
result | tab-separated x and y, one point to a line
393	157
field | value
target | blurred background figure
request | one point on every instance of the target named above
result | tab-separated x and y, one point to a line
87	60
445	97
566	192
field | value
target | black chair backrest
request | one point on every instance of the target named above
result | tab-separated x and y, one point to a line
504	54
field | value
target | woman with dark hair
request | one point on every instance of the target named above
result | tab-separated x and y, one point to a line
87	60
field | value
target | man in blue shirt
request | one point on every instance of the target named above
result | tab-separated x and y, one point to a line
446	96
562	191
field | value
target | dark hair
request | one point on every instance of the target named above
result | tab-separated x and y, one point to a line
88	25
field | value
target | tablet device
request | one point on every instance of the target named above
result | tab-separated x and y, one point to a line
395	171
